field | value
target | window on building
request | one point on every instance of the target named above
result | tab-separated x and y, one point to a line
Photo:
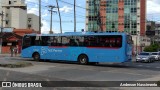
7	22
134	25
29	20
29	25
133	10
113	25
126	25
10	2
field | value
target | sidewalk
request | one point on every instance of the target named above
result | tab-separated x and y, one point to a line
7	59
9	55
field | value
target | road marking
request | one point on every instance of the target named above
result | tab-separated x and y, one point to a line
140	65
7	73
148	66
130	73
5	79
126	65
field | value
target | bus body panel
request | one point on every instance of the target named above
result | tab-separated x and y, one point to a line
105	55
71	53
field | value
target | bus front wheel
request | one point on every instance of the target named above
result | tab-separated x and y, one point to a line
83	59
36	56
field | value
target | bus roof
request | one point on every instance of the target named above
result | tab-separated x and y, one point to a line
78	34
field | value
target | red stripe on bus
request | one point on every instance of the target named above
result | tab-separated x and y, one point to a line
104	47
57	46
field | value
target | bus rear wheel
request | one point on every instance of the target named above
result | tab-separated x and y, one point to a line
83	59
36	56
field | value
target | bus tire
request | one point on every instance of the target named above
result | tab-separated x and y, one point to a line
83	59
36	56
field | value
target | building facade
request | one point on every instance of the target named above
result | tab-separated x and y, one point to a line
33	22
13	38
140	42
14	13
116	15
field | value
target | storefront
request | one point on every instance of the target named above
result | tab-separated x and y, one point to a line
10	39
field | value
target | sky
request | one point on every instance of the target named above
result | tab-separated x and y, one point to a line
67	14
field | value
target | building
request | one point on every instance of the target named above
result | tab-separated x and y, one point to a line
13	38
140	43
151	25
153	31
33	22
14	13
117	16
14	23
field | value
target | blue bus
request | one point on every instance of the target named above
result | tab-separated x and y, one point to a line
84	47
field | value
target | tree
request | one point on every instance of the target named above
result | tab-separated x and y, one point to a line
152	48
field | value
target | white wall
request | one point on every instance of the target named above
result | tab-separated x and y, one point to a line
140	42
14	2
18	18
17	14
34	21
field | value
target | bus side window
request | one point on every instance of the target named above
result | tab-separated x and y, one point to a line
93	41
101	41
106	42
86	41
65	41
72	42
38	41
112	42
45	41
33	40
80	40
119	42
27	41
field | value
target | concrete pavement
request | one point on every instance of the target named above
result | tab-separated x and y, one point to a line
49	71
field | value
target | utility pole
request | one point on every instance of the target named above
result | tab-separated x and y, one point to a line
51	10
1	31
59	16
74	15
1	21
40	16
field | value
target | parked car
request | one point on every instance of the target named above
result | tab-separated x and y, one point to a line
145	57
156	55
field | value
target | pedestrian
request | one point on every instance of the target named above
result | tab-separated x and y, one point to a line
15	50
11	50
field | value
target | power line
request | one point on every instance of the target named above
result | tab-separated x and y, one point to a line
51	10
72	4
59	16
69	21
45	7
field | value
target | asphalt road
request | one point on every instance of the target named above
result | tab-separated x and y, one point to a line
63	71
